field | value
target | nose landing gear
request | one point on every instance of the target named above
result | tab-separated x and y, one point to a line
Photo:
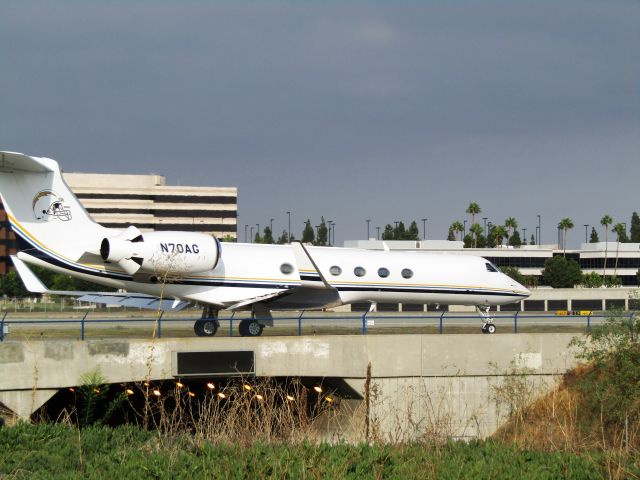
487	320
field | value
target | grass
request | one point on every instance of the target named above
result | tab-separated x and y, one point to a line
62	451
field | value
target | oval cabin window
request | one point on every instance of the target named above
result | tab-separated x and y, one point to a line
407	273
286	268
383	272
359	272
335	270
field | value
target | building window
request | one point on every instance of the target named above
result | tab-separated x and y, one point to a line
286	268
383	272
406	273
359	272
335	270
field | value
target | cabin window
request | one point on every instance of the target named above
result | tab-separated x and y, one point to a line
383	272
335	270
286	268
491	267
359	272
406	273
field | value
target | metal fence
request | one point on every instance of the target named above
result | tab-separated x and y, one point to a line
293	325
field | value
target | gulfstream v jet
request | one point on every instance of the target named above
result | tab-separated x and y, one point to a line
170	270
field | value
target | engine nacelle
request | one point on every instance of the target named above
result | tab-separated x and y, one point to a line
173	253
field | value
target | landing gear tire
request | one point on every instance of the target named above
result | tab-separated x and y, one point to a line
487	320
206	328
489	328
250	328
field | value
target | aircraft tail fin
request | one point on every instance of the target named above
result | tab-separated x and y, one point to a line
42	210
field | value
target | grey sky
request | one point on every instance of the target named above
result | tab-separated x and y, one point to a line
381	110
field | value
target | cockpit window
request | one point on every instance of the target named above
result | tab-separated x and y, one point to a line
491	267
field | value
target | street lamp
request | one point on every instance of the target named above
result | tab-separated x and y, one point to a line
485	225
524	235
289	231
271	226
464	229
368	222
245	232
586	227
424	228
395	231
330	222
251	234
378	236
539	239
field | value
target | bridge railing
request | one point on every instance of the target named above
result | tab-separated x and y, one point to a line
325	323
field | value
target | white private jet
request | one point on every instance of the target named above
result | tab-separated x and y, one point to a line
169	270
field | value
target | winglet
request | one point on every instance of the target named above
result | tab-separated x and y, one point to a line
31	282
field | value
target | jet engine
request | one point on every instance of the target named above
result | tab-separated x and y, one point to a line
175	253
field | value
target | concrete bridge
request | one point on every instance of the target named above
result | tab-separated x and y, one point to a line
419	382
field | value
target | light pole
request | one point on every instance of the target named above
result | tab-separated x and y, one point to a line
464	229
539	239
368	222
289	230
330	222
424	228
586	227
245	232
258	230
251	233
271	226
524	235
395	231
378	237
485	225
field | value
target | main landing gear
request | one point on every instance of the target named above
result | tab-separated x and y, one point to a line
487	320
208	325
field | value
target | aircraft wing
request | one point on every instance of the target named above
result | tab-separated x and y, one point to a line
140	300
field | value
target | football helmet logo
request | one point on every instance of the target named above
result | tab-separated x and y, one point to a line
48	205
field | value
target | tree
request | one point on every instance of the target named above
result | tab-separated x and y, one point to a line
496	235
457	227
257	238
451	236
533	240
308	235
591	280
388	233
561	273
322	233
12	285
565	225
605	221
515	240
400	232
413	233
268	235
622	237
283	238
512	225
594	236
473	209
635	228
476	230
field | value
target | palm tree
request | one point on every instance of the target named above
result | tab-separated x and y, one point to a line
473	209
499	232
621	233
565	224
457	227
477	230
511	224
605	222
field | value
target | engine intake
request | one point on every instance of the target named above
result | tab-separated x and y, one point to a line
174	253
